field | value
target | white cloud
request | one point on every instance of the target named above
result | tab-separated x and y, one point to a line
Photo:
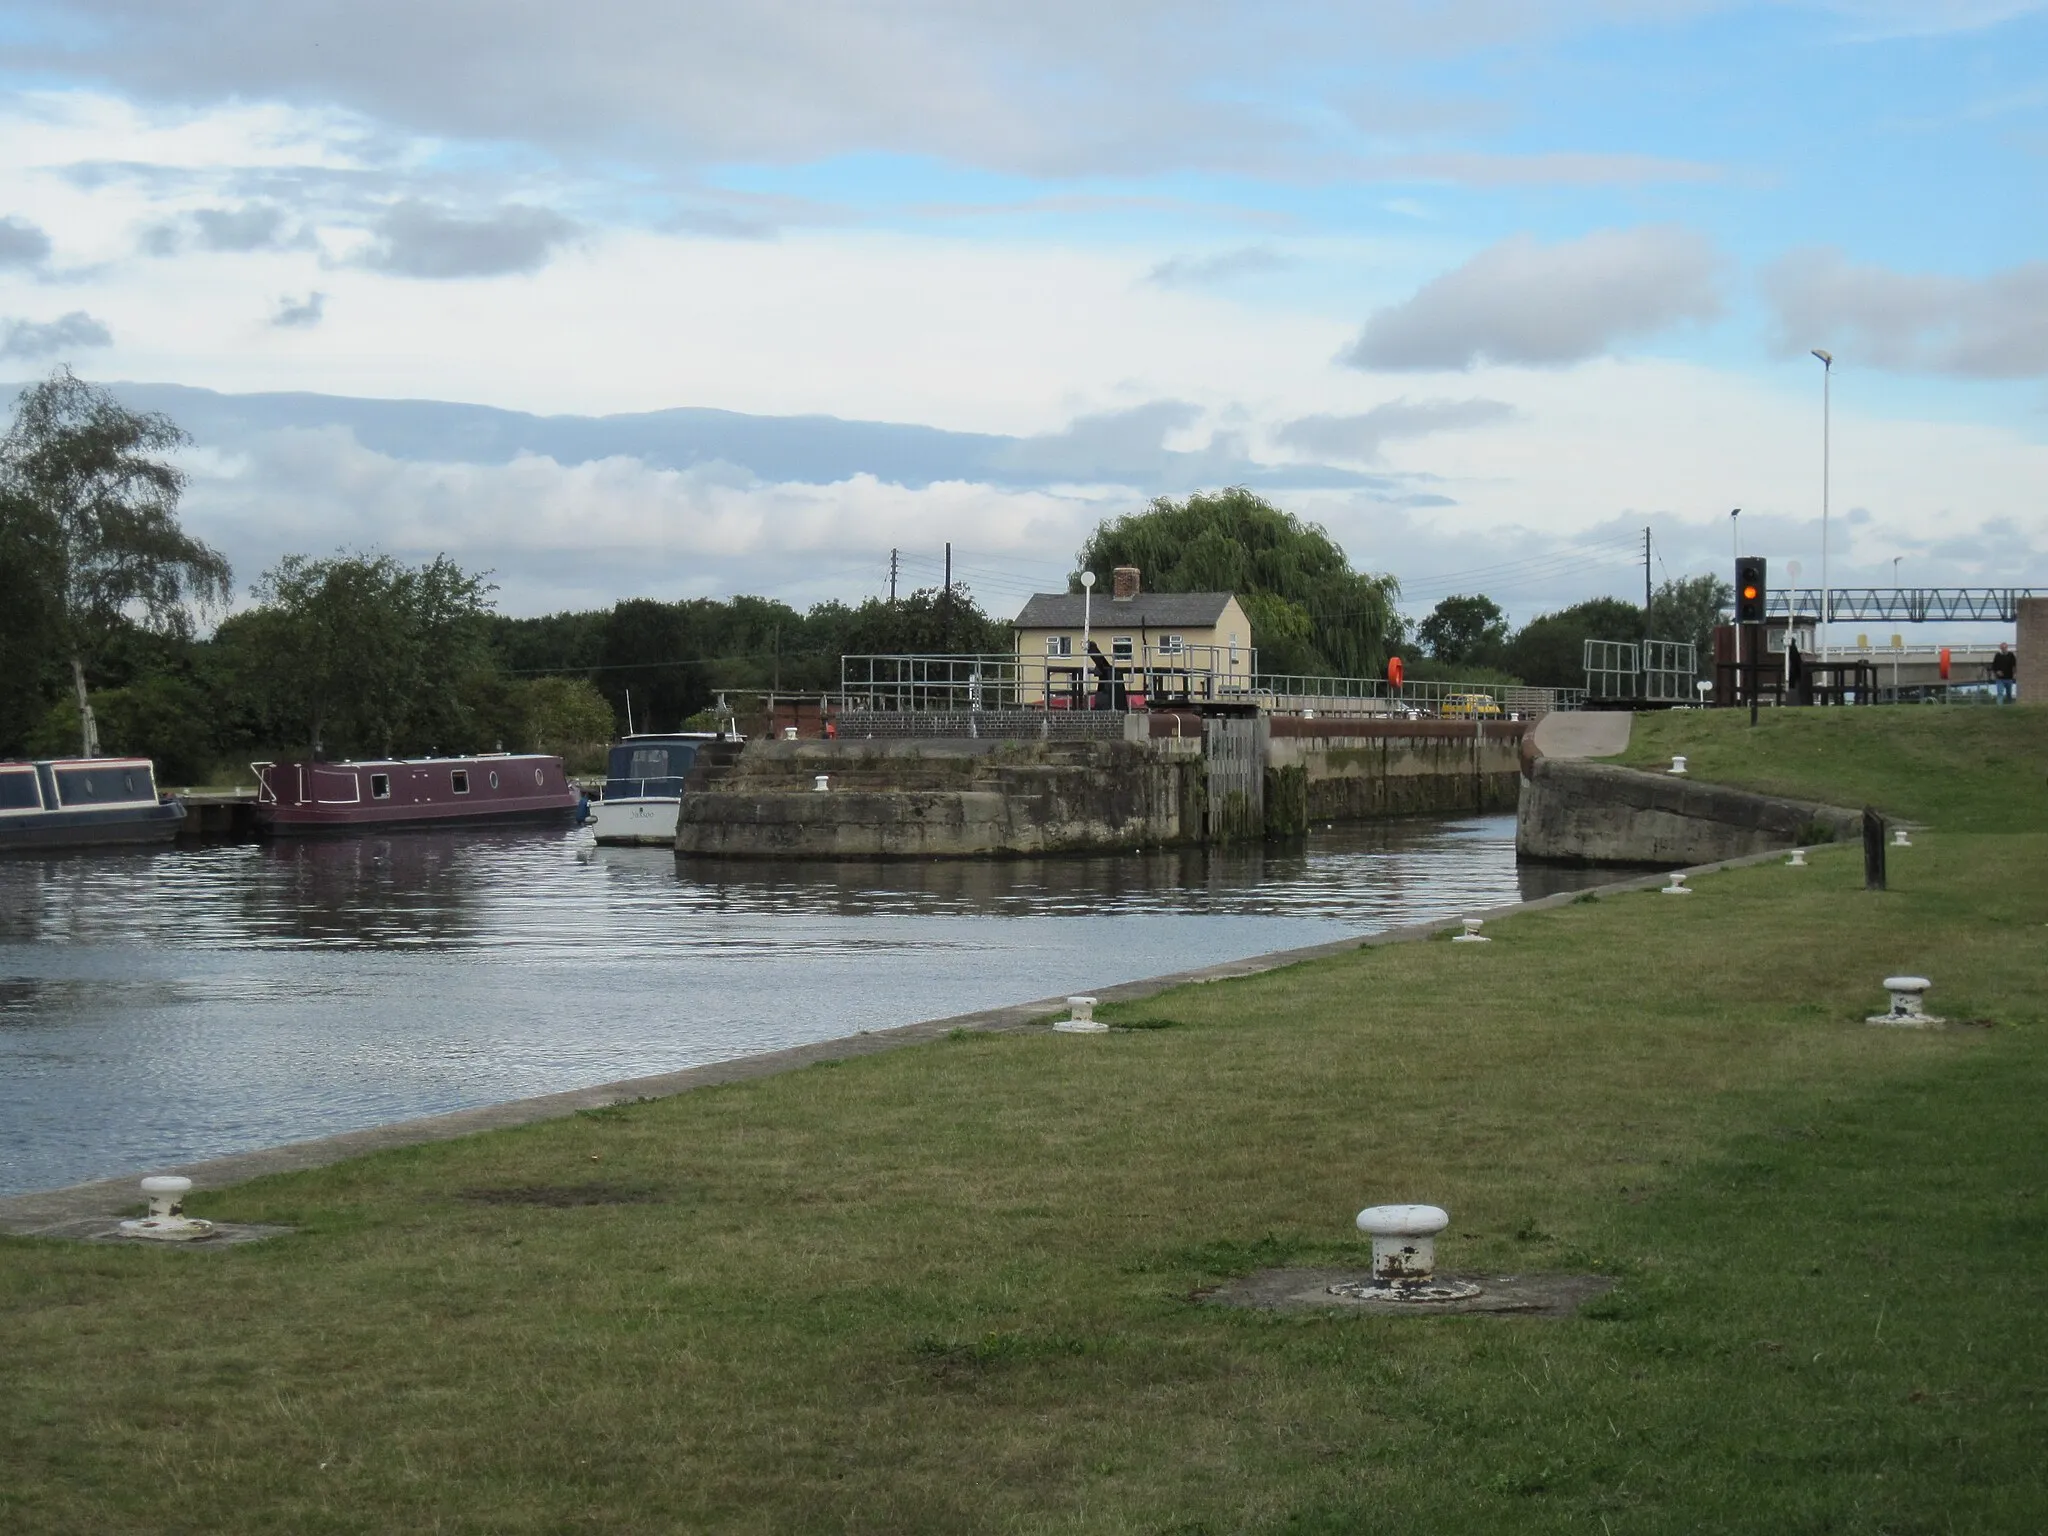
1991	327
415	239
22	244
1215	267
1546	305
301	314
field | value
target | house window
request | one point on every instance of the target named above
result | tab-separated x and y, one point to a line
1059	645
1172	645
380	786
459	781
1120	648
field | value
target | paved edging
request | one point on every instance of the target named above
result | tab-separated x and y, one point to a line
51	1212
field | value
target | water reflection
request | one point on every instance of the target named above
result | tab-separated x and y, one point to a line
158	1005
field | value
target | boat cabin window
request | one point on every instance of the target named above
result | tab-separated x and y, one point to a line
18	790
494	778
459	778
104	785
380	786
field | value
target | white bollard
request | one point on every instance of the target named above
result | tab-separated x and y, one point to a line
167	1221
1899	838
1404	1257
1471	935
1798	859
789	733
822	783
1080	1018
1908	1010
1677	886
1677	765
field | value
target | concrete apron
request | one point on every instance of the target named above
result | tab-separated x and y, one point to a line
61	1212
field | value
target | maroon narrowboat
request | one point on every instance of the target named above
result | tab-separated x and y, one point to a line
299	798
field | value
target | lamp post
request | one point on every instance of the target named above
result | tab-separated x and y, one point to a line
1827	378
1087	593
1735	534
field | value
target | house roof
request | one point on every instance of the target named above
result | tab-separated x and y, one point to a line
1152	610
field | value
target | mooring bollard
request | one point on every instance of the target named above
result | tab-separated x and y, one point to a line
1404	1257
1908	1010
789	733
167	1221
1471	935
1899	838
822	783
1677	886
1798	859
1677	765
1080	1018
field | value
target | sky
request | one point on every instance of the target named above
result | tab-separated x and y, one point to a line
679	300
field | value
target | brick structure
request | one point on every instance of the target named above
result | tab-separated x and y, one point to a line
2031	643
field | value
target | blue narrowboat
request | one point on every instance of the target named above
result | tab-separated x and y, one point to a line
76	802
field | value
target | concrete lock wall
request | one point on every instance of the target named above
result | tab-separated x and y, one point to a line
1358	770
1577	812
943	798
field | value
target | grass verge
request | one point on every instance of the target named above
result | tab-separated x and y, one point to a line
949	1288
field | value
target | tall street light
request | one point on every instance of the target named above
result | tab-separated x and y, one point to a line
1734	536
1827	378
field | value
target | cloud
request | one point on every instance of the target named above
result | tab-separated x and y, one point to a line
1218	267
1057	87
37	339
1547	305
251	227
300	314
254	226
416	239
1361	437
1991	327
22	244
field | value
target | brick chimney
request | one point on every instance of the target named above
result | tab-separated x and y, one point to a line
1126	579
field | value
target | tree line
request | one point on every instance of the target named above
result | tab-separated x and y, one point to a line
104	600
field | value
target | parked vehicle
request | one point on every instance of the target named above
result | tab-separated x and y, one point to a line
1470	706
73	802
296	799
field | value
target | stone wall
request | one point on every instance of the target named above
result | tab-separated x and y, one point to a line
1577	812
944	798
1359	770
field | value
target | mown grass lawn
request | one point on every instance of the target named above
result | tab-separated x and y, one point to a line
949	1288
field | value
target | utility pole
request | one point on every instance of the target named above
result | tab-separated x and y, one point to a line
946	633
892	578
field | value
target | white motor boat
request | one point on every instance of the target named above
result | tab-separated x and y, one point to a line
643	787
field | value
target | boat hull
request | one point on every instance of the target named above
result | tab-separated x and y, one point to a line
635	823
93	828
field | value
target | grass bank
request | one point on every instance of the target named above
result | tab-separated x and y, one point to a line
949	1288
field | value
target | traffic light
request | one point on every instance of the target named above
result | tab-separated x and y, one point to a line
1749	589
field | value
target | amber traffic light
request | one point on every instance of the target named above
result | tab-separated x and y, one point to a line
1749	590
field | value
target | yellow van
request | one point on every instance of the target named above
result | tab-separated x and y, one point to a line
1470	706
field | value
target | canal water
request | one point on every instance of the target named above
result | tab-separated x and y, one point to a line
167	1005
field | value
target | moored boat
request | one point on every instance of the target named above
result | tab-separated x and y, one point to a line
643	787
296	799
76	802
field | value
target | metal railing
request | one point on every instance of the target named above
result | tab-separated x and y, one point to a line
951	685
1655	671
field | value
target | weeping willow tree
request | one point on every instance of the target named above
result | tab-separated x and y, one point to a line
1310	611
89	497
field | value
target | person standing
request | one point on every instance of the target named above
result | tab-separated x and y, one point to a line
2004	666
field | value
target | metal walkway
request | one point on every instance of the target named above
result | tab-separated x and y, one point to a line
1909	605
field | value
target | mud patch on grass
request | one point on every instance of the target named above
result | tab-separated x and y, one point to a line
563	1196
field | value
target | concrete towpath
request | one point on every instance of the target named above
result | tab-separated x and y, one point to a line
1583	733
